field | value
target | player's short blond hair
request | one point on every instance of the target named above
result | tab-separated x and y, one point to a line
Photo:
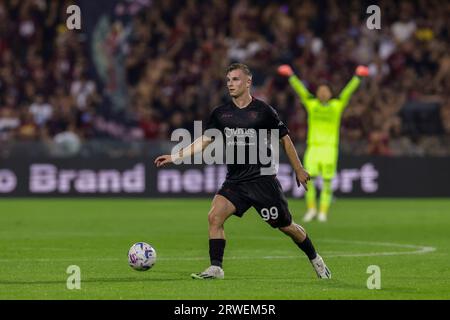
239	66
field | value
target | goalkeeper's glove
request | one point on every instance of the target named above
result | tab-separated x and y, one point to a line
285	70
362	71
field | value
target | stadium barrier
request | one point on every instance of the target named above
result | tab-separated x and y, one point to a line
138	177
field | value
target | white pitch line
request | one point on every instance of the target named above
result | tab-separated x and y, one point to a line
418	250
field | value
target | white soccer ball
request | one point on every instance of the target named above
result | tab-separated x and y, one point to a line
141	256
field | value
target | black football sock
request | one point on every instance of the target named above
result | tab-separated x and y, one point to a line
308	248
216	249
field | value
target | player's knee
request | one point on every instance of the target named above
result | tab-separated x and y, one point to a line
295	231
288	229
215	219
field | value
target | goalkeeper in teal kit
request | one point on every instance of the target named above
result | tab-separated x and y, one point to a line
324	119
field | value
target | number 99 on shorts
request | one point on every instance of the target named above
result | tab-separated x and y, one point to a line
269	213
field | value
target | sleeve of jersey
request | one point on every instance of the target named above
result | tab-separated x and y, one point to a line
276	123
348	91
211	123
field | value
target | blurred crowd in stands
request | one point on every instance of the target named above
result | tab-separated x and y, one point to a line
176	53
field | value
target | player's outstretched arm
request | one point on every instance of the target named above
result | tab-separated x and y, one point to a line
353	84
197	146
295	82
300	173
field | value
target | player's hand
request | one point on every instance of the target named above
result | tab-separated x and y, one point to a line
285	70
302	178
162	160
362	71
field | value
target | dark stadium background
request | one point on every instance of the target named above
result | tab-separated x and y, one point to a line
109	95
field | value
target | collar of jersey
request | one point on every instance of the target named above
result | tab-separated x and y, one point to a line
235	106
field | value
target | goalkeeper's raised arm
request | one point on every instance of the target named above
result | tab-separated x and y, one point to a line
295	82
323	92
353	84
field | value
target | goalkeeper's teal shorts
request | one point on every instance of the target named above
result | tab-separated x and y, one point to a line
321	161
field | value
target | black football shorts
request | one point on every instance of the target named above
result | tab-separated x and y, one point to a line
264	194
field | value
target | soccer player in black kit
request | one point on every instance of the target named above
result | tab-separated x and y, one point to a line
244	185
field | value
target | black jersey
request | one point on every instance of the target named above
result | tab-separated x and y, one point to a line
235	123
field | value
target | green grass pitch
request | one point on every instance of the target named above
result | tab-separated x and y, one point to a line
408	239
